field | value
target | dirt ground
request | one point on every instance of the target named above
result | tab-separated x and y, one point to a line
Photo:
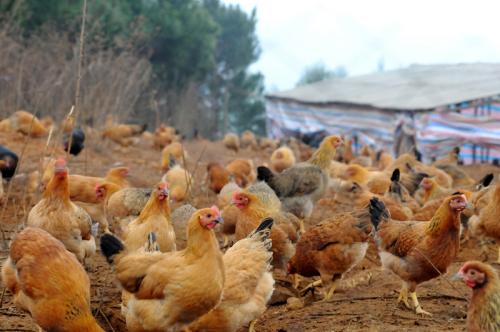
366	300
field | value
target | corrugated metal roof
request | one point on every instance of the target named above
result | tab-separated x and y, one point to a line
418	87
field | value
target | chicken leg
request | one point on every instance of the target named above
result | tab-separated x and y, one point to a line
416	304
251	328
331	290
302	228
311	286
296	281
403	295
226	241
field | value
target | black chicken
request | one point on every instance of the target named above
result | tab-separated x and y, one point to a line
77	140
10	162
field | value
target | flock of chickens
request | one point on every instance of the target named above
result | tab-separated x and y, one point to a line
213	269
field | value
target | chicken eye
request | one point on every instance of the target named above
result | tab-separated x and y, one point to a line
209	215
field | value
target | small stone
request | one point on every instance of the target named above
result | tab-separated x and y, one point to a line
294	303
280	295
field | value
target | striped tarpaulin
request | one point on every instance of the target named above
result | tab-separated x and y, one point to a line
374	128
475	129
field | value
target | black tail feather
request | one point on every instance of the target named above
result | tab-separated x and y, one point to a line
152	237
396	175
264	174
151	244
263	233
267	223
378	212
111	246
486	181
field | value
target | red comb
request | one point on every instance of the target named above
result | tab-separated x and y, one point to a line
60	162
464	268
215	209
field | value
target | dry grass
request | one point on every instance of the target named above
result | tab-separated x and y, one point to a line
40	75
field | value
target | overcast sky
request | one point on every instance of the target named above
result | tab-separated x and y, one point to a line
358	34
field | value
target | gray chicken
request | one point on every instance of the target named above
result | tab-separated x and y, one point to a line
301	185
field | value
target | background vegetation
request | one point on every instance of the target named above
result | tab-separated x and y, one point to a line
183	62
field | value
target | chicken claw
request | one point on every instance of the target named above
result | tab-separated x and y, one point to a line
296	281
251	328
330	292
311	286
403	296
226	241
418	308
302	228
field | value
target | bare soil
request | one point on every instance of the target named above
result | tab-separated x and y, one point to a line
366	300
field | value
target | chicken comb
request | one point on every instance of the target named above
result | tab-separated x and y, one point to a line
215	209
163	185
467	265
60	163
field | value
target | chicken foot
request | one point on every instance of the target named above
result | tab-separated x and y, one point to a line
311	287
403	296
226	241
418	307
328	293
331	290
251	328
296	281
302	227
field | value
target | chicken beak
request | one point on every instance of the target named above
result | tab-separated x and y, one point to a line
219	220
163	193
458	276
469	206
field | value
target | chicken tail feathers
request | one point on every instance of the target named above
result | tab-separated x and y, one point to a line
151	244
414	181
395	175
378	212
111	246
264	174
486	181
263	232
265	225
